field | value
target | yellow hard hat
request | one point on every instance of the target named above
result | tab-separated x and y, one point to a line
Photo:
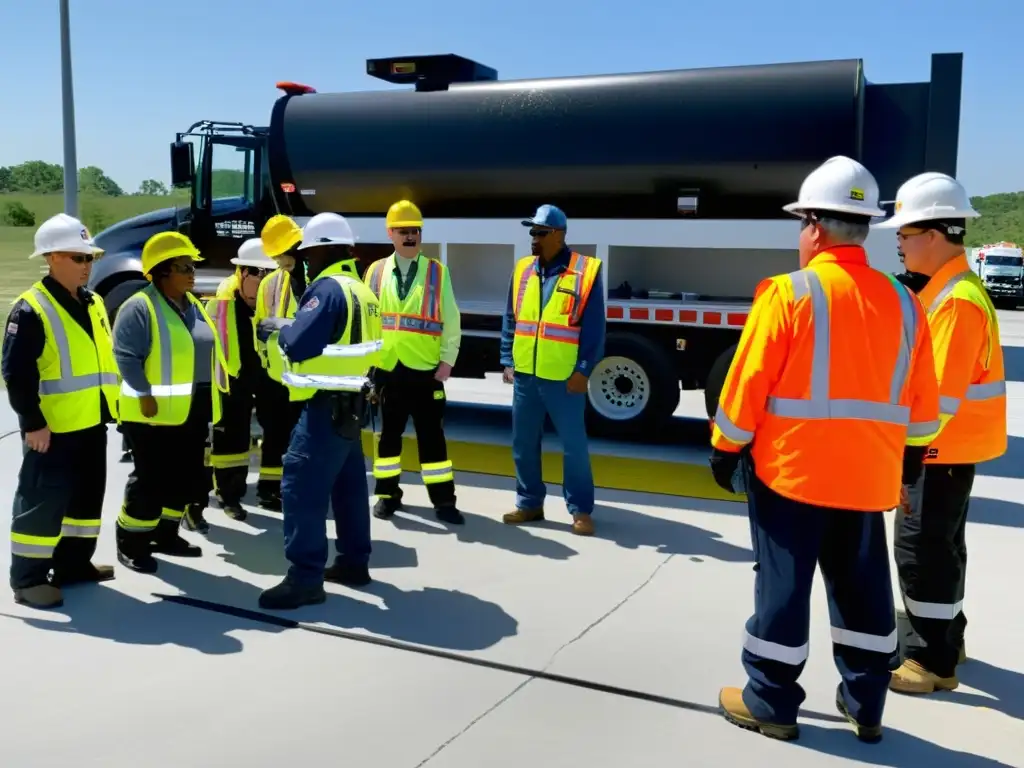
280	234
165	246
404	213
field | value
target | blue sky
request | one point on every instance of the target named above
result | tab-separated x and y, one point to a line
146	69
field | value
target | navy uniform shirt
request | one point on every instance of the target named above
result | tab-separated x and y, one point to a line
24	339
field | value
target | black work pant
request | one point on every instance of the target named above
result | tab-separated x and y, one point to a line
790	540
931	560
232	437
402	393
169	476
55	522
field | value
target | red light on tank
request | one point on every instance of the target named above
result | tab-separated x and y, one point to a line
287	187
294	89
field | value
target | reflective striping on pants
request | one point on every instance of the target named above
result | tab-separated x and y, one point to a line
36	547
172	514
820	405
68	382
437	472
939	611
133	524
229	460
271	473
85	529
877	643
390	467
784	654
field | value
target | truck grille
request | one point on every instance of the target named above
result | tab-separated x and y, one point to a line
1003	280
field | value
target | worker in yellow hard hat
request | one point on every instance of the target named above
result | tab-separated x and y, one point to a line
165	345
422	331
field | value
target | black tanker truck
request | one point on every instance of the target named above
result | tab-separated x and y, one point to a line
675	179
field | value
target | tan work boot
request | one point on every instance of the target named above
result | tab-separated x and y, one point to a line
41	596
736	712
521	516
911	677
582	525
963	654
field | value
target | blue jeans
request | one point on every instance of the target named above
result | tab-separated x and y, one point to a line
791	539
532	399
322	470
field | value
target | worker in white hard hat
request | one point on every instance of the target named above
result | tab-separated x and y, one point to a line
58	365
833	378
245	385
325	354
930	221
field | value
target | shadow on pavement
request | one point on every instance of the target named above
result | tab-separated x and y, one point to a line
108	614
260	548
480	529
440	618
1009	514
1005	686
1013	363
1010	464
898	749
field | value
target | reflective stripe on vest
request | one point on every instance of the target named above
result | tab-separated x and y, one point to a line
820	405
68	382
428	322
277	295
225	322
948	406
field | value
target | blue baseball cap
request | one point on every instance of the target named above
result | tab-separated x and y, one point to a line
547	216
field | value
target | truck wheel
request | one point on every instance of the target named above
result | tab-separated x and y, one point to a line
633	388
716	380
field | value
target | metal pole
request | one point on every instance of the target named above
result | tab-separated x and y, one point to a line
68	99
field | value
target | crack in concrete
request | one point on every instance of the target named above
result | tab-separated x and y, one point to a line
551	660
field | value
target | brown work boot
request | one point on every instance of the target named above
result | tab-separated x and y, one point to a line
87	574
40	596
911	677
582	525
521	516
736	712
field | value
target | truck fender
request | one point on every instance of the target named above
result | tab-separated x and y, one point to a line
114	268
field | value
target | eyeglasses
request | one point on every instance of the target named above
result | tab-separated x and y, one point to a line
540	232
904	236
184	268
409	231
81	258
256	272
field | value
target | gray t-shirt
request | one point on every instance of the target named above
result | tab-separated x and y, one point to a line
133	339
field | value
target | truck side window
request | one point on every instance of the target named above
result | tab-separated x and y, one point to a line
232	173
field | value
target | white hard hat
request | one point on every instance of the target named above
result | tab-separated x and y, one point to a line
65	234
839	184
928	197
251	254
326	229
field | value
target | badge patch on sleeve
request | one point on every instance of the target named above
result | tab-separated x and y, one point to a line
310	305
12	329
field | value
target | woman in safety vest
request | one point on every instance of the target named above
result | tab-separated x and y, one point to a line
166	346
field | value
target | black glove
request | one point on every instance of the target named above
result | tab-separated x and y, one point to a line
913	463
915	281
723	465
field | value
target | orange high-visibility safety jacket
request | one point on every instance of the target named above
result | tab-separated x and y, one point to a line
969	365
832	377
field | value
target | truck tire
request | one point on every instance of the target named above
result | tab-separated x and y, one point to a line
634	388
716	380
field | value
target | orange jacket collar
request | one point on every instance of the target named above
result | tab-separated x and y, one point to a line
949	270
842	254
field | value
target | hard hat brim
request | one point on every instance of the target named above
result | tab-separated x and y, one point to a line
243	261
328	241
907	217
799	209
405	223
88	249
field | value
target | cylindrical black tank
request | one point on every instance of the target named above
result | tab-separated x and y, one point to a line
620	146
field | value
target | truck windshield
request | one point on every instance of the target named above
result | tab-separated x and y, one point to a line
1005	261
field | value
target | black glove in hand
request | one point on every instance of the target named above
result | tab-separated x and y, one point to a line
269	325
723	466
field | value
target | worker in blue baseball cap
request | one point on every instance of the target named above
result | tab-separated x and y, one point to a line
551	339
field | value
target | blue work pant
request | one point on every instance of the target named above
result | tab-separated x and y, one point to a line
790	539
323	470
532	399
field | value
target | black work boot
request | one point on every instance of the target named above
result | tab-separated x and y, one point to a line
869	734
268	496
133	551
169	542
68	575
450	514
194	519
347	575
234	510
288	596
385	508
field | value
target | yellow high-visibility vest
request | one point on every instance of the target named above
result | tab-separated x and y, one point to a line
547	339
75	372
169	367
413	327
344	364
